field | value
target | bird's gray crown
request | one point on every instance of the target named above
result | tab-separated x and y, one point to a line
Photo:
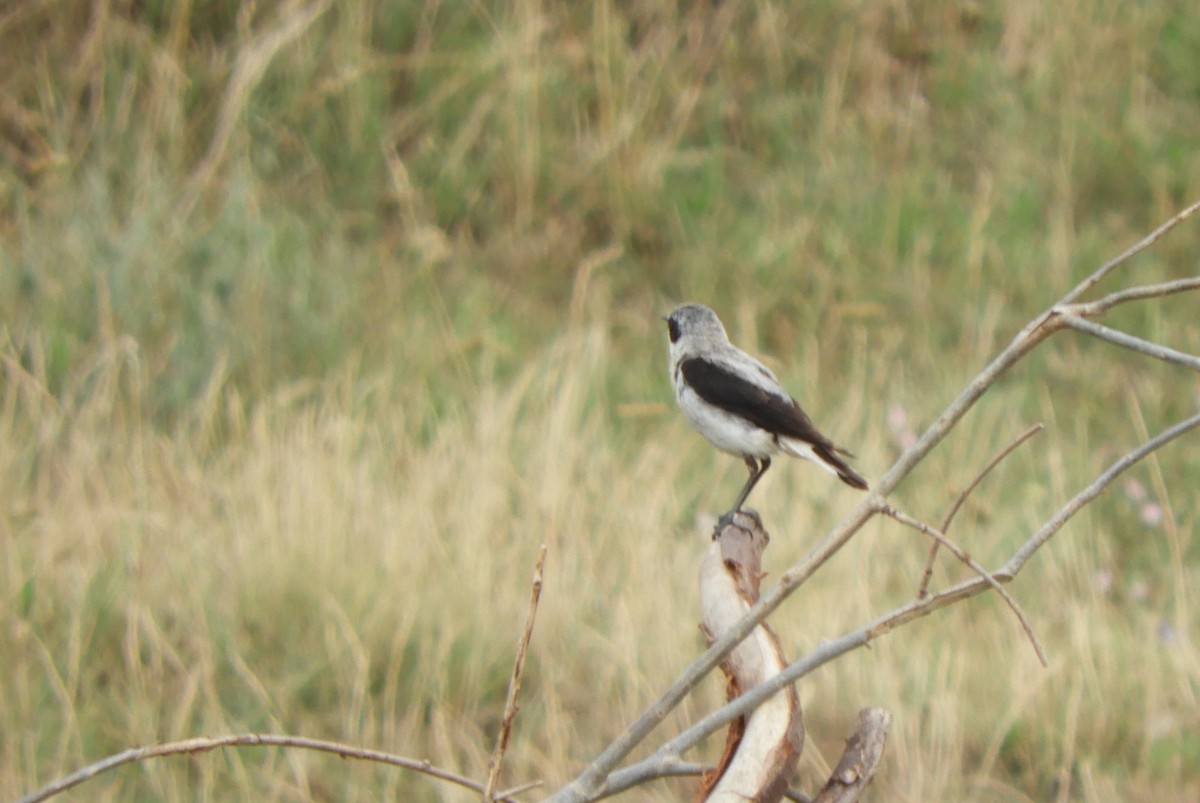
698	323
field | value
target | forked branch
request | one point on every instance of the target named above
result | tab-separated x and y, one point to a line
599	778
962	497
941	539
1119	338
668	754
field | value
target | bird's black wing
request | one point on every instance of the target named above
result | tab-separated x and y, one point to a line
723	388
779	415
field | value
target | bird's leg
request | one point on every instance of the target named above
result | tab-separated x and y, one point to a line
756	472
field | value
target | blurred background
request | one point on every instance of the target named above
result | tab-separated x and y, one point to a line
316	319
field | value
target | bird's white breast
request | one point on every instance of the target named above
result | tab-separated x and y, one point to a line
729	433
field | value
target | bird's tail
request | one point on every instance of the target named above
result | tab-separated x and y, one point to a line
825	456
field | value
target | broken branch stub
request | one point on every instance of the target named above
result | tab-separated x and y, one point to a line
762	750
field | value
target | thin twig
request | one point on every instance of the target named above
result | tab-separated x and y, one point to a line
1089	493
1129	253
1130	342
941	538
927	575
514	685
995	461
205	744
669	753
519	789
1092	309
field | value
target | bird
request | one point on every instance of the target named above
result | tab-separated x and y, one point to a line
738	405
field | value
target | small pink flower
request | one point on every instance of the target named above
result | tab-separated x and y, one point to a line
1134	490
897	419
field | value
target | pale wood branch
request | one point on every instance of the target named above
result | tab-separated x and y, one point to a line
1119	338
1100	306
859	760
940	538
514	684
1054	524
205	744
927	575
1135	249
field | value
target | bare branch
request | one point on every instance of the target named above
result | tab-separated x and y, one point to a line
514	685
519	789
646	771
927	575
668	754
995	461
1119	338
594	781
1135	249
205	744
940	538
1089	493
859	760
1092	309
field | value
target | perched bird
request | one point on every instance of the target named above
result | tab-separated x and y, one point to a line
735	402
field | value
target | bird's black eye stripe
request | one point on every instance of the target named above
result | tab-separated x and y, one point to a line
673	329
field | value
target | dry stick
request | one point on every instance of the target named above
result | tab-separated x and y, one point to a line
514	685
1119	338
519	789
1091	309
858	763
205	744
860	760
962	497
667	755
1125	255
941	538
1010	569
594	780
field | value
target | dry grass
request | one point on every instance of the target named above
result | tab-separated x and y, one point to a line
327	571
313	328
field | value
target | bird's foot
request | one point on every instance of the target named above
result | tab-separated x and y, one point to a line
729	519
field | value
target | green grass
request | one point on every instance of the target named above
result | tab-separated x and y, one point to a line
306	349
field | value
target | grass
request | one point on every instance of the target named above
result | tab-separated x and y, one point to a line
309	340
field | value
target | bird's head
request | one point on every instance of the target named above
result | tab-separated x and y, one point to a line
694	327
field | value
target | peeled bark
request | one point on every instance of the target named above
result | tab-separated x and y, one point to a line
761	751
